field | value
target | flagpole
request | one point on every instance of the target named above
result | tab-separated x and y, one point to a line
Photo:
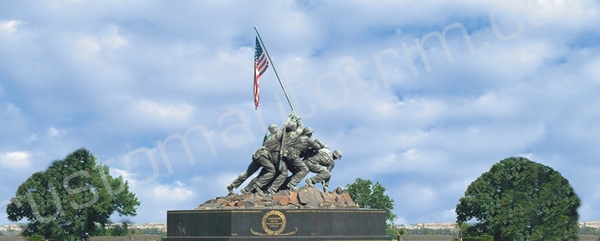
280	83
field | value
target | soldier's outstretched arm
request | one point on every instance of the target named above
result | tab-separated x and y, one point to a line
321	144
312	144
299	126
292	117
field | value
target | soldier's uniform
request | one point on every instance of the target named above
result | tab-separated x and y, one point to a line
259	159
293	128
263	157
293	156
269	150
272	151
322	163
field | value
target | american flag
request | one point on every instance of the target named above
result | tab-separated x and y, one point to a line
260	66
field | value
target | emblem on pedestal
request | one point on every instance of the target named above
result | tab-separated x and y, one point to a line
274	223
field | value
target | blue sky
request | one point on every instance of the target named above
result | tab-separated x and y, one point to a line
421	96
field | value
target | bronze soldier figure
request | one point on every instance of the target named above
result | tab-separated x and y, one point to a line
294	129
322	163
295	152
263	157
273	171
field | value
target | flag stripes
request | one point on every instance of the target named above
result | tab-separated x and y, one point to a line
260	66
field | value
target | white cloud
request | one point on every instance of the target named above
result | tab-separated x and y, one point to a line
175	192
9	27
170	193
137	114
90	45
417	195
155	194
196	179
9	110
127	176
591	70
31	139
180	112
54	132
15	160
113	39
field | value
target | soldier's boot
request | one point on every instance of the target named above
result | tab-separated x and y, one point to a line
257	190
310	182
292	187
250	190
246	191
230	189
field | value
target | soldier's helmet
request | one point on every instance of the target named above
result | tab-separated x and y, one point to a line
290	126
337	154
307	131
272	128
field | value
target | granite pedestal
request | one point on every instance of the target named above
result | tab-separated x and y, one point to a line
276	224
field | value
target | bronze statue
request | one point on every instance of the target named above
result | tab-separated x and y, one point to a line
289	148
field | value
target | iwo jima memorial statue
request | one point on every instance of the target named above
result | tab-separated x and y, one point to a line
270	206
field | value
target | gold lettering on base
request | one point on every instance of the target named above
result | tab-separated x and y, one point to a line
273	223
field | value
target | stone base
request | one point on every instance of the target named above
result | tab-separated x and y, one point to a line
276	224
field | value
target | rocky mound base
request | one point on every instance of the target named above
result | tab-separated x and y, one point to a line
305	197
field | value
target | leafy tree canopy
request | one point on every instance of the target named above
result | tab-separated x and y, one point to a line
73	199
369	195
518	199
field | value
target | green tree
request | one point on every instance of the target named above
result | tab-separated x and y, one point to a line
518	199
369	195
73	199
